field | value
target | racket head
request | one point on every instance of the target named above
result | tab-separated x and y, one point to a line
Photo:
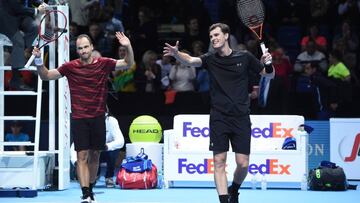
50	28
252	15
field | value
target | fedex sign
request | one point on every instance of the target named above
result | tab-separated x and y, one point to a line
206	167
275	130
271	166
188	129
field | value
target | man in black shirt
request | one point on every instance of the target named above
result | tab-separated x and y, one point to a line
17	22
229	72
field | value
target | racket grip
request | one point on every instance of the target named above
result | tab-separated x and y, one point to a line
28	63
264	50
263	47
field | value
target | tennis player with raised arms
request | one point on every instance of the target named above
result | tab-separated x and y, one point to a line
87	78
229	72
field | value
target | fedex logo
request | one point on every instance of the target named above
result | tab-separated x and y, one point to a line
273	131
207	167
271	166
355	150
195	131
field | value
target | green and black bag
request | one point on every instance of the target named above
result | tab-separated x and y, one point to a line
327	179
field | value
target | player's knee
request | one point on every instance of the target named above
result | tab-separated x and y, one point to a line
82	157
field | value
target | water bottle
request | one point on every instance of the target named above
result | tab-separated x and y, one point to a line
253	182
304	185
263	183
160	179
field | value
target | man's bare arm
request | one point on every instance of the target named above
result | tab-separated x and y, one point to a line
184	58
128	61
44	73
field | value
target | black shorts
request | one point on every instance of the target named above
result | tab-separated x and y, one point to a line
224	128
89	133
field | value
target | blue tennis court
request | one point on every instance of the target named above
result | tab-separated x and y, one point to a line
187	195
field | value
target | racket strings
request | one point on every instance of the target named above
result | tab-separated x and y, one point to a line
51	30
251	12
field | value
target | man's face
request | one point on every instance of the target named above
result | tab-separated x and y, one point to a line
122	52
311	48
84	48
16	129
94	30
194	24
218	38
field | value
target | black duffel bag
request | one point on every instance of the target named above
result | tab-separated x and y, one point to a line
327	179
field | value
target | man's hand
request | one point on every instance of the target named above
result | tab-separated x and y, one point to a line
171	50
42	8
36	51
123	40
266	58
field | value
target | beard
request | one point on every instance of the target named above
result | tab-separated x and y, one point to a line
85	57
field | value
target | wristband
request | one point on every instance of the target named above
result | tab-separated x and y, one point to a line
38	61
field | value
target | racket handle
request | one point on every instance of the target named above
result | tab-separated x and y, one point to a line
264	50
28	63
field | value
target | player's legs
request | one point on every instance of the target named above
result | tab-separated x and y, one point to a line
82	168
240	142
93	164
219	144
220	173
97	141
30	29
80	129
242	164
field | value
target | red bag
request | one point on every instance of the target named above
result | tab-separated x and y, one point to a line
136	180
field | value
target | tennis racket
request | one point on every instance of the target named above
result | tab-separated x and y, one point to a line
52	25
251	13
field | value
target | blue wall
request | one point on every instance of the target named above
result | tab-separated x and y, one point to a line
319	142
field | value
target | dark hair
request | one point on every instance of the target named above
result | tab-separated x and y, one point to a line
336	54
224	28
84	36
16	123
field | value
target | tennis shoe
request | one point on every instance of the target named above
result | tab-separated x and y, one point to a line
109	182
92	198
233	196
86	199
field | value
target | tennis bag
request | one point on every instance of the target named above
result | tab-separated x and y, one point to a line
327	177
137	180
137	173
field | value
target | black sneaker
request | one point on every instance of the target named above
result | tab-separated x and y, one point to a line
85	199
233	196
92	198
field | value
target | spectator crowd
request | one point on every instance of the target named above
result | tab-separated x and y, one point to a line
314	44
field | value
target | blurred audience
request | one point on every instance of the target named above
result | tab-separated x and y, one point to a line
144	35
182	78
329	31
313	34
148	75
311	54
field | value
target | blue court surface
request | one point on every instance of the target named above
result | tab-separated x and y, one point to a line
188	195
